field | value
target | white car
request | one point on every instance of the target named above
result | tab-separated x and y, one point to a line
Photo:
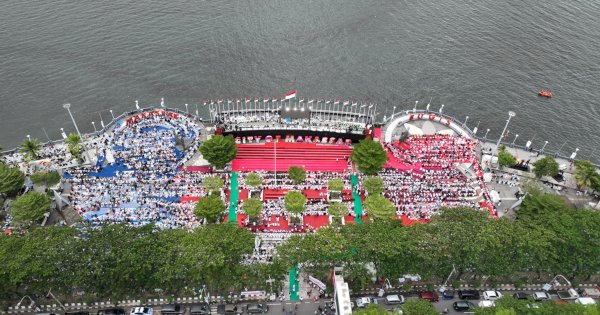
491	295
485	303
585	301
394	299
540	296
363	302
142	310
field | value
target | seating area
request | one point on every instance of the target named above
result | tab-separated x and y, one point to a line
314	157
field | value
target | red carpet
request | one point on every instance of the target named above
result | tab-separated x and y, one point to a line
273	194
314	157
316	221
189	199
195	168
315	193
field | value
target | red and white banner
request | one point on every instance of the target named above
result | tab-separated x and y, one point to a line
290	95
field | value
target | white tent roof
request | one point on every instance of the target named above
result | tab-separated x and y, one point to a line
413	130
449	132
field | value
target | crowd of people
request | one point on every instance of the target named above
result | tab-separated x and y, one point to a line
434	151
137	178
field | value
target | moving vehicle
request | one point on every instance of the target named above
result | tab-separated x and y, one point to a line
200	309
141	310
520	295
545	93
462	306
540	296
111	311
468	294
394	299
429	296
363	302
172	309
491	295
257	308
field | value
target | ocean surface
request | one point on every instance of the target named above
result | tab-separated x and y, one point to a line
480	58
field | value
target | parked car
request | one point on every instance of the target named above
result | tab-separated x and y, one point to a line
430	296
111	311
396	310
585	301
541	296
227	309
394	299
172	309
363	302
200	309
570	294
521	296
491	295
486	303
448	294
462	306
257	308
468	294
141	310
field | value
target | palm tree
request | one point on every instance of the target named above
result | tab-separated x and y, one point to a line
74	143
31	147
585	174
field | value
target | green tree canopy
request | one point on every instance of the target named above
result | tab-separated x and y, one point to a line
379	207
547	166
373	185
30	207
210	208
505	158
585	174
11	179
253	180
371	309
336	184
74	142
212	183
337	209
297	174
31	148
369	156
47	178
419	307
295	202
253	207
219	150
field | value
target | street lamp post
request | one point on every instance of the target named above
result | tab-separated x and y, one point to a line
137	105
67	106
62	133
441	108
394	112
94	124
542	149
111	113
415	109
516	136
574	154
511	114
197	110
476	128
558	152
466	119
186	109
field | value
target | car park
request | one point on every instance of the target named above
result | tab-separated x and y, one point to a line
363	302
141	310
491	295
394	299
430	296
520	296
463	306
486	303
468	294
257	308
172	309
111	311
200	309
540	296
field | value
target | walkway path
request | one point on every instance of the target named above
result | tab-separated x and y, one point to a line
233	198
357	202
294	285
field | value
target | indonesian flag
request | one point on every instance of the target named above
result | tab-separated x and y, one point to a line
220	101
346	102
310	101
290	95
301	100
229	102
283	99
363	105
371	105
247	100
238	100
336	102
204	103
354	103
256	100
266	100
320	101
212	102
328	101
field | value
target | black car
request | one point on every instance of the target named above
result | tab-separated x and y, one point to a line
257	308
521	296
468	294
461	306
112	311
227	309
200	309
172	309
